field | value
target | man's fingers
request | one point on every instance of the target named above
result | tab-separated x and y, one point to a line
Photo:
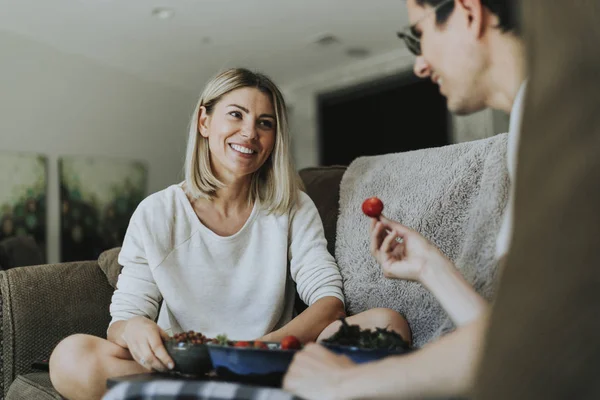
374	244
318	352
315	348
373	223
377	236
315	358
399	244
313	351
394	225
389	242
308	363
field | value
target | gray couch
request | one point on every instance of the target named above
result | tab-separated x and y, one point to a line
43	304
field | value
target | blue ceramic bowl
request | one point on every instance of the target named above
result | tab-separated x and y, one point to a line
250	361
360	355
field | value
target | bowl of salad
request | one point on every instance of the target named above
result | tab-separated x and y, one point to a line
365	345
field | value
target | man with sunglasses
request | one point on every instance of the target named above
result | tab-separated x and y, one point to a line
472	50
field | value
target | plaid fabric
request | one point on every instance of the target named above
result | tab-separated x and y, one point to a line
193	390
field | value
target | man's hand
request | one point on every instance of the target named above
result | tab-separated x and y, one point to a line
316	373
410	260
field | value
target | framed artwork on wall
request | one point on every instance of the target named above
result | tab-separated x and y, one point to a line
23	190
98	195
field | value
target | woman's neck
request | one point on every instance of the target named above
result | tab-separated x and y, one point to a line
229	201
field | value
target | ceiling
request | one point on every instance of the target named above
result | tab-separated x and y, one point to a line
204	36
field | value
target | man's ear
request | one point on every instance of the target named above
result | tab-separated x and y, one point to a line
475	14
203	121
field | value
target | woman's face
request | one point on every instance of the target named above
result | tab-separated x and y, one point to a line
241	132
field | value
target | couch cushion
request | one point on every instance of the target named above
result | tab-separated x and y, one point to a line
323	186
36	385
109	264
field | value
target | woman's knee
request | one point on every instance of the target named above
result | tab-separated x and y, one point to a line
385	318
73	358
390	319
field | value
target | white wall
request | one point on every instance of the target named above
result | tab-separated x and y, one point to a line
302	97
56	104
63	104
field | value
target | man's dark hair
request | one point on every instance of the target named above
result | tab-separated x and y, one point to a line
506	10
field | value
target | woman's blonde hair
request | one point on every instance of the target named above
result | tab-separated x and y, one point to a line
276	184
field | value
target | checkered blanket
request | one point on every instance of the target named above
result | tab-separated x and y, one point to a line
200	390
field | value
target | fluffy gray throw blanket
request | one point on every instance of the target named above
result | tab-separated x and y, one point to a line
453	195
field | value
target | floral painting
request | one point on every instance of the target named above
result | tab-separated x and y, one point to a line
97	196
23	180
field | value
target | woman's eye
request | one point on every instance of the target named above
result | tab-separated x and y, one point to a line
236	114
266	123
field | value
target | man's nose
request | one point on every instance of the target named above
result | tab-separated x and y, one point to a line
421	68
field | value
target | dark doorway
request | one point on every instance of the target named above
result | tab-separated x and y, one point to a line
397	114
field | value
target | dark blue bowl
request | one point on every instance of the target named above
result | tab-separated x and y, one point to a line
189	359
360	355
247	360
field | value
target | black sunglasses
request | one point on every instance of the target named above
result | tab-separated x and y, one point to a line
413	43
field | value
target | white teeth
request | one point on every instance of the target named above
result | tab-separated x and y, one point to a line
241	149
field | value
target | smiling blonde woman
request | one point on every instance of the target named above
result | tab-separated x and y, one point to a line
225	251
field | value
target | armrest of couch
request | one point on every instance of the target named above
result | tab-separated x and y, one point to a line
43	304
323	187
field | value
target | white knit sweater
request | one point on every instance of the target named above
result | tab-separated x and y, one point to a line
240	285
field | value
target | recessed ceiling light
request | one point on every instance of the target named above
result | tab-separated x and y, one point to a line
163	13
326	39
358	52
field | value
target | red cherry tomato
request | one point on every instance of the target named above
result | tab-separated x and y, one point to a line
260	345
372	207
290	343
242	343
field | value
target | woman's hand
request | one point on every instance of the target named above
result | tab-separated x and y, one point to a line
410	260
316	373
144	339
